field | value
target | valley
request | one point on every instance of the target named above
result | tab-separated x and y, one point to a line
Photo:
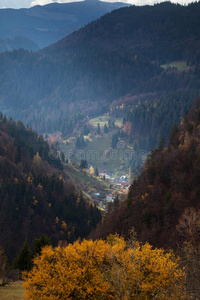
107	173
99	150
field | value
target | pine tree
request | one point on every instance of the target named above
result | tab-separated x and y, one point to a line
105	129
98	129
80	141
114	141
40	243
83	164
62	156
24	259
96	172
116	201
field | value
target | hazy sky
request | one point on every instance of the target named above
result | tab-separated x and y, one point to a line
29	3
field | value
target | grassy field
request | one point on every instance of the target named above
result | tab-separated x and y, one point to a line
89	184
179	65
112	162
13	291
96	152
102	120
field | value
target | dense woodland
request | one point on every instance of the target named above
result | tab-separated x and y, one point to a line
36	196
163	202
41	25
167	186
119	55
156	116
160	33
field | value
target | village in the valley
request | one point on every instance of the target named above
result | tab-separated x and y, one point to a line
120	189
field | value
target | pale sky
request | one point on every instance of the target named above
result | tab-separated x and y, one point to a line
29	3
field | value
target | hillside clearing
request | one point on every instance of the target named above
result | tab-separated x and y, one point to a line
179	65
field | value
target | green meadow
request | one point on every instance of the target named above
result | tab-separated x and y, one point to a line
179	65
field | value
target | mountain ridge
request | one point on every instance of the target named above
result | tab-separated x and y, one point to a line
49	23
137	28
96	69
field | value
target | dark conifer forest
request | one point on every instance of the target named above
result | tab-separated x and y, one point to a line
37	196
119	56
168	186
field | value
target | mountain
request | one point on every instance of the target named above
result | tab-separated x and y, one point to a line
17	43
44	25
165	197
128	63
163	32
37	195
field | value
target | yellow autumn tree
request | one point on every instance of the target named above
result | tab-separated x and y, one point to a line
141	272
73	272
109	269
91	170
37	159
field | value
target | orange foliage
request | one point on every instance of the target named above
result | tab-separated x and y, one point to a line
112	269
127	128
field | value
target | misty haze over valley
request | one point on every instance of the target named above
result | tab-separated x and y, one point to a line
99	135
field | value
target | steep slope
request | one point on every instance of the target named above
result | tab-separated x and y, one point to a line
36	195
163	32
49	23
100	67
17	43
168	185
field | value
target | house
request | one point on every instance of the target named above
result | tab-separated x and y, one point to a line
125	183
110	198
104	174
119	185
97	194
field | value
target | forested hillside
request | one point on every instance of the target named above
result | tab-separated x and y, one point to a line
163	32
9	44
118	56
163	203
46	24
36	195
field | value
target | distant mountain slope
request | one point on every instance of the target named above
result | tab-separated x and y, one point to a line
168	185
94	70
17	43
163	32
49	23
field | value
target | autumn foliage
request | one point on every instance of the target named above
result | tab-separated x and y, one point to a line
168	185
111	269
36	195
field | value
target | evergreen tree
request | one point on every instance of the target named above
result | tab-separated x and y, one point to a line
161	144
83	164
98	129
114	141
96	172
85	130
24	259
40	243
105	129
62	156
116	201
80	141
3	261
